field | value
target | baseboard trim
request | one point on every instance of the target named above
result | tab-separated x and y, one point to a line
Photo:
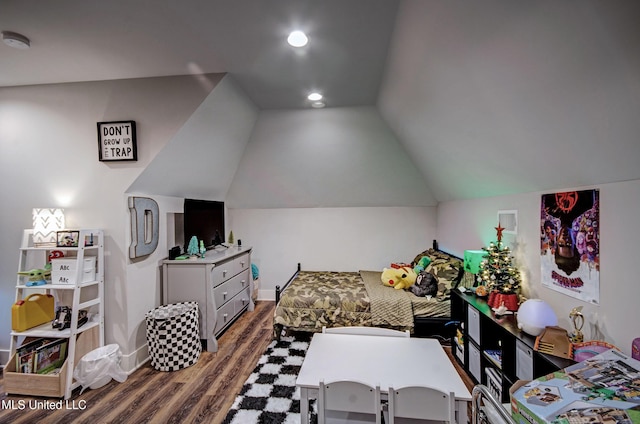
133	361
267	295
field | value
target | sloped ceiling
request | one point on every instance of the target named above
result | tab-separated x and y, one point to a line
200	160
478	98
496	97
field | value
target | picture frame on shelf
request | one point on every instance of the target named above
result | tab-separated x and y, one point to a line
67	238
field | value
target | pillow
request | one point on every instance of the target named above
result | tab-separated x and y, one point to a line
447	269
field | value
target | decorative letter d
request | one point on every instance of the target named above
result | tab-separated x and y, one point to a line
145	220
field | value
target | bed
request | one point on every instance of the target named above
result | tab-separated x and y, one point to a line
314	299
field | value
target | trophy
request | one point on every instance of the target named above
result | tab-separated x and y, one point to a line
577	319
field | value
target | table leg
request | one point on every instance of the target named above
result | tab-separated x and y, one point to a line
304	405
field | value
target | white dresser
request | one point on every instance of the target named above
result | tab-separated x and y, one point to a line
220	283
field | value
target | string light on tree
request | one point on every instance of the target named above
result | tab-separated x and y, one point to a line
497	272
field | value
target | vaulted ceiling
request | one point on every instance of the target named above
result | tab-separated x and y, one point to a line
486	98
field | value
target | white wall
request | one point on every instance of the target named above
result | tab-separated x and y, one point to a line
141	290
334	157
469	224
337	239
49	158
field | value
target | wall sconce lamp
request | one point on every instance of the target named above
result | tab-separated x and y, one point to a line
46	222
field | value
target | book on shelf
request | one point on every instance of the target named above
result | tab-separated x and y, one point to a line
41	355
50	356
495	356
24	354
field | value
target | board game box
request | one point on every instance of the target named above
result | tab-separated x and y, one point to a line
604	388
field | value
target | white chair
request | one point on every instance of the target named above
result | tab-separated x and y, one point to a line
367	331
349	402
419	403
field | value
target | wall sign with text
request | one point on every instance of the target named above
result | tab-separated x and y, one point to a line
117	141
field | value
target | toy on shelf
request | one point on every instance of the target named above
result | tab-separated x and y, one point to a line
33	310
554	341
37	276
577	319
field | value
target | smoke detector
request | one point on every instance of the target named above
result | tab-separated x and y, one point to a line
15	40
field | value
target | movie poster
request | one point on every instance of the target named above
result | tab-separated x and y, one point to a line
570	243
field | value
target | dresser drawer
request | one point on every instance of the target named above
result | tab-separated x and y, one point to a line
225	270
227	290
221	272
224	316
242	300
242	262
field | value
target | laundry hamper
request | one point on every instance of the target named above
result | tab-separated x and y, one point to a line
173	336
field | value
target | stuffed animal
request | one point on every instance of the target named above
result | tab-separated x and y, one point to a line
422	264
398	278
426	285
37	276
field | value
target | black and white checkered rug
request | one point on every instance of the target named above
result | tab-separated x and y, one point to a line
270	396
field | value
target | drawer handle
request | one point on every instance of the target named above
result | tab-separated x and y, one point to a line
224	295
244	282
243	301
224	272
225	316
242	263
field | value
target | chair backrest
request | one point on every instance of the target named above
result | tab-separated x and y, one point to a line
424	403
350	401
367	331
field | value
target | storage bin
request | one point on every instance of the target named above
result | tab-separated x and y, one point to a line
49	385
63	271
173	336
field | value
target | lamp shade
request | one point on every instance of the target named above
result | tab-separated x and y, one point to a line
473	259
46	222
534	315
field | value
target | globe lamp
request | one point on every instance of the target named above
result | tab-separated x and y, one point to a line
535	315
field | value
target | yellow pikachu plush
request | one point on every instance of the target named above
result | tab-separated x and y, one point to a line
398	278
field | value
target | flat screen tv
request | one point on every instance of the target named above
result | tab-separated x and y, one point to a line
205	220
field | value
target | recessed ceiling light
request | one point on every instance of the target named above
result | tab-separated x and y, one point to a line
297	39
314	97
15	40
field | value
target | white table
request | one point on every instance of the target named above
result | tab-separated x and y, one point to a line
388	361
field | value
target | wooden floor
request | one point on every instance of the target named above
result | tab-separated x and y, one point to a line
203	392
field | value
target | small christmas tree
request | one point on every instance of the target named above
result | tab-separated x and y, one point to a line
193	246
496	270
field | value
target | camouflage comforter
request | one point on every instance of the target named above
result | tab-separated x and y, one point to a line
334	299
